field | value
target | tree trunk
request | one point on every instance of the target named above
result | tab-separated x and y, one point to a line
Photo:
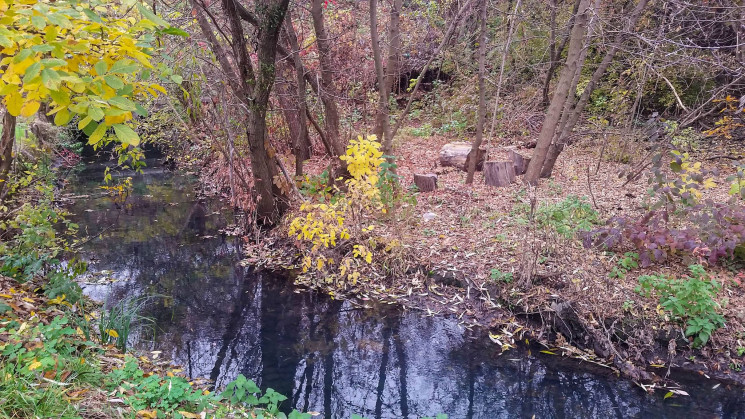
302	141
482	98
255	89
425	183
326	89
553	154
555	53
381	129
571	116
560	95
499	173
6	150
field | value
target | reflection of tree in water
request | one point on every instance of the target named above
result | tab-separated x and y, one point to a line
218	320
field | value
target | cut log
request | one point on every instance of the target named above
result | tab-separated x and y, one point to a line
425	183
520	162
499	173
456	155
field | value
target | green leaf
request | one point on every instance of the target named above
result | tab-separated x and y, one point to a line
5	42
152	16
177	79
124	67
668	395
101	67
38	22
92	15
84	122
97	134
53	62
50	79
22	55
122	103
113	81
126	135
95	112
175	31
63	117
140	110
31	72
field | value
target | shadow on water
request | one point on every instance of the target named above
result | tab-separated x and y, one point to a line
218	319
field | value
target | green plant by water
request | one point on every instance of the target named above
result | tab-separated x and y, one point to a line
691	300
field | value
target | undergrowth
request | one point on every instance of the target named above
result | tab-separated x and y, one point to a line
691	300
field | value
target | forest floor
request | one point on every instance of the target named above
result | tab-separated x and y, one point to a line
468	245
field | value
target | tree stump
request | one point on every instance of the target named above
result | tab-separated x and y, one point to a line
456	155
520	162
425	183
499	173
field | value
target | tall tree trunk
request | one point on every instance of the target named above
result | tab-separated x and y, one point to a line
554	52
326	88
6	150
505	51
382	123
553	114
381	120
571	116
302	143
255	89
482	98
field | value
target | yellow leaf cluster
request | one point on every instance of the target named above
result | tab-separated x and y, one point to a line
81	59
346	218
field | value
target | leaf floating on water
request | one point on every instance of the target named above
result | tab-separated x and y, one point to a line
548	352
668	395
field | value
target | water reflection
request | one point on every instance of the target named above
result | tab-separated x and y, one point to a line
218	319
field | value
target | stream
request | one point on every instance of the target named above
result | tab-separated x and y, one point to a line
218	319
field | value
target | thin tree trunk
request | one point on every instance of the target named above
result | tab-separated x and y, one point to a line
6	151
482	97
571	115
445	39
326	90
501	69
302	142
382	123
382	128
555	53
553	114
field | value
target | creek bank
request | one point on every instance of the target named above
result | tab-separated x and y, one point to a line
562	326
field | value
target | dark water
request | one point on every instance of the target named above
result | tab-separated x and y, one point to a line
219	319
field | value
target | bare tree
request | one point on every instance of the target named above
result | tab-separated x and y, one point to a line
473	155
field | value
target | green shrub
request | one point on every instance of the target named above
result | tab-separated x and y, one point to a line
690	300
567	217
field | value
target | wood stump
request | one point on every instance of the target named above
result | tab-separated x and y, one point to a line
425	183
499	173
456	155
521	163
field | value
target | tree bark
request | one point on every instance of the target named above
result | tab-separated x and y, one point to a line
302	141
6	151
425	183
571	115
499	173
326	89
555	53
482	98
381	129
520	162
255	89
382	121
560	95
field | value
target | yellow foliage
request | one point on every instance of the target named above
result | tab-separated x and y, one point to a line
323	225
79	57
